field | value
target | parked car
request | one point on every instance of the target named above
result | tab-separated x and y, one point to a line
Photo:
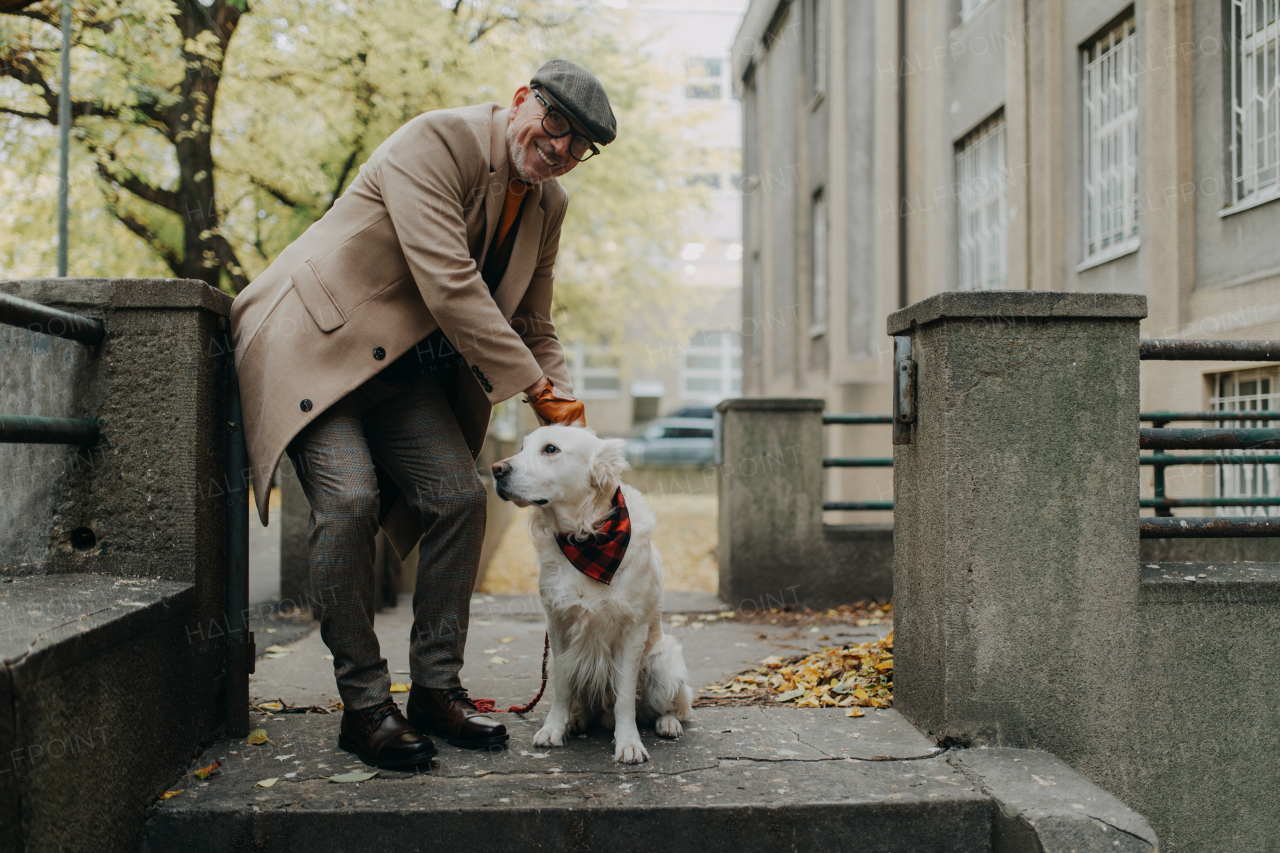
673	441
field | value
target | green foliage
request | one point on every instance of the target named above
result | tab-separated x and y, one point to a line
307	91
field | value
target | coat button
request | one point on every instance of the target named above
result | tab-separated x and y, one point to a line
305	405
379	353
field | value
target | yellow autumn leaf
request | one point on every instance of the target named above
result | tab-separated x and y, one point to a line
169	795
855	712
399	688
204	772
258	737
267	783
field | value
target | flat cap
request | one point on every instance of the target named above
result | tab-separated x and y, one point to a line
576	90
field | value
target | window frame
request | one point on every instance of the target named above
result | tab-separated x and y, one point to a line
576	355
819	246
1110	72
1247	190
727	375
1260	480
986	141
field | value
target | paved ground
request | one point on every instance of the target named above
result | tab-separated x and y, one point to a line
504	648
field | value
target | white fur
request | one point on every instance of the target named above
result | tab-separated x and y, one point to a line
610	660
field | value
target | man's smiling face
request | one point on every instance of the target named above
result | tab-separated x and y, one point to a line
535	155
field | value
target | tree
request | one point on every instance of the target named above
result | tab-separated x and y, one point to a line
146	71
299	99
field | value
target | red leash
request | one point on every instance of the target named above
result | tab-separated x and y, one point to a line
487	706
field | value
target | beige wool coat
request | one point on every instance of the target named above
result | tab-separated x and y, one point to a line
397	257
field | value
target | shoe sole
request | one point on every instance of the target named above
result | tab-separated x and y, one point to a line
496	740
352	747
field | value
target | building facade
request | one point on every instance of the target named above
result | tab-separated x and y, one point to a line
698	362
894	149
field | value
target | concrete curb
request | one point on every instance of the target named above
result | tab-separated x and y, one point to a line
1043	806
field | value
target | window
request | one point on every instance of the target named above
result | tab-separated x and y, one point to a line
969	8
1110	88
704	78
982	228
711	366
1239	391
1255	107
595	372
817	31
818	293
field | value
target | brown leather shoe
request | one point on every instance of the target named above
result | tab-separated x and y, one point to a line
381	737
450	714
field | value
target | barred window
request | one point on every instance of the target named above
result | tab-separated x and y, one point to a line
1110	87
982	228
1255	96
1241	391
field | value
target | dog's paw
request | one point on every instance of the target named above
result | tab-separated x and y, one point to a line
630	751
668	726
550	736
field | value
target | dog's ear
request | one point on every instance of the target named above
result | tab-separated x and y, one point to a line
608	464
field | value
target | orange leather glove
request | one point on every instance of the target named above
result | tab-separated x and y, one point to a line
553	406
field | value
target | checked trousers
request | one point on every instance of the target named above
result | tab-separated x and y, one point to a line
402	420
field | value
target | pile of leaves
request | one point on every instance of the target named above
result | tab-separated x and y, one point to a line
861	613
849	676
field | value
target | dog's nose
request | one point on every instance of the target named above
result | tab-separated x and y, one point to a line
501	469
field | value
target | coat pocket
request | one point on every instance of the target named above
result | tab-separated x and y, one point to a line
316	297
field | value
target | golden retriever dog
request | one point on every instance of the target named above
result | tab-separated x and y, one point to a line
600	582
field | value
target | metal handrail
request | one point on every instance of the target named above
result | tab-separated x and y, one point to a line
26	429
1171	417
857	462
855	419
1184	527
1169	460
42	319
1209	439
1165	349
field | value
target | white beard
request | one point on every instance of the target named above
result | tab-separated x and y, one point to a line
519	154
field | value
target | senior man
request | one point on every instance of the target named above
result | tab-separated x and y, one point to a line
372	351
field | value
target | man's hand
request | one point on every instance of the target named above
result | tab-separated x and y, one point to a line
553	406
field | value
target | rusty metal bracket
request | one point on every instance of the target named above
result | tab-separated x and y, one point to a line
904	390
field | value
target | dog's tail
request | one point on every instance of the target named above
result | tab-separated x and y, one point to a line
666	684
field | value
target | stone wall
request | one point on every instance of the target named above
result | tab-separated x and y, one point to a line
1024	616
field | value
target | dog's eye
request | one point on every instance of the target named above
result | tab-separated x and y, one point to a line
550	448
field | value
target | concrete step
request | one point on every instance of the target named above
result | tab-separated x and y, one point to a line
739	778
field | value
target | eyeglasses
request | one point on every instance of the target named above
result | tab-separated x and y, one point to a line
557	126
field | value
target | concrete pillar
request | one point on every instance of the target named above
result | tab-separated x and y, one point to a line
1016	507
773	547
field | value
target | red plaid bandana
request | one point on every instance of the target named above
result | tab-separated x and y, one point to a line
599	556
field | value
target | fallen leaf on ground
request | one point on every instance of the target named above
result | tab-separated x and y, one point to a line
507	640
836	677
353	777
259	736
279	650
267	783
855	712
399	688
496	659
169	795
490	651
204	772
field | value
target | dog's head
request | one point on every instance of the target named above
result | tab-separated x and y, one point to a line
561	466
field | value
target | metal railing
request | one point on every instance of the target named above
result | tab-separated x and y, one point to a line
856	461
41	319
1158	439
